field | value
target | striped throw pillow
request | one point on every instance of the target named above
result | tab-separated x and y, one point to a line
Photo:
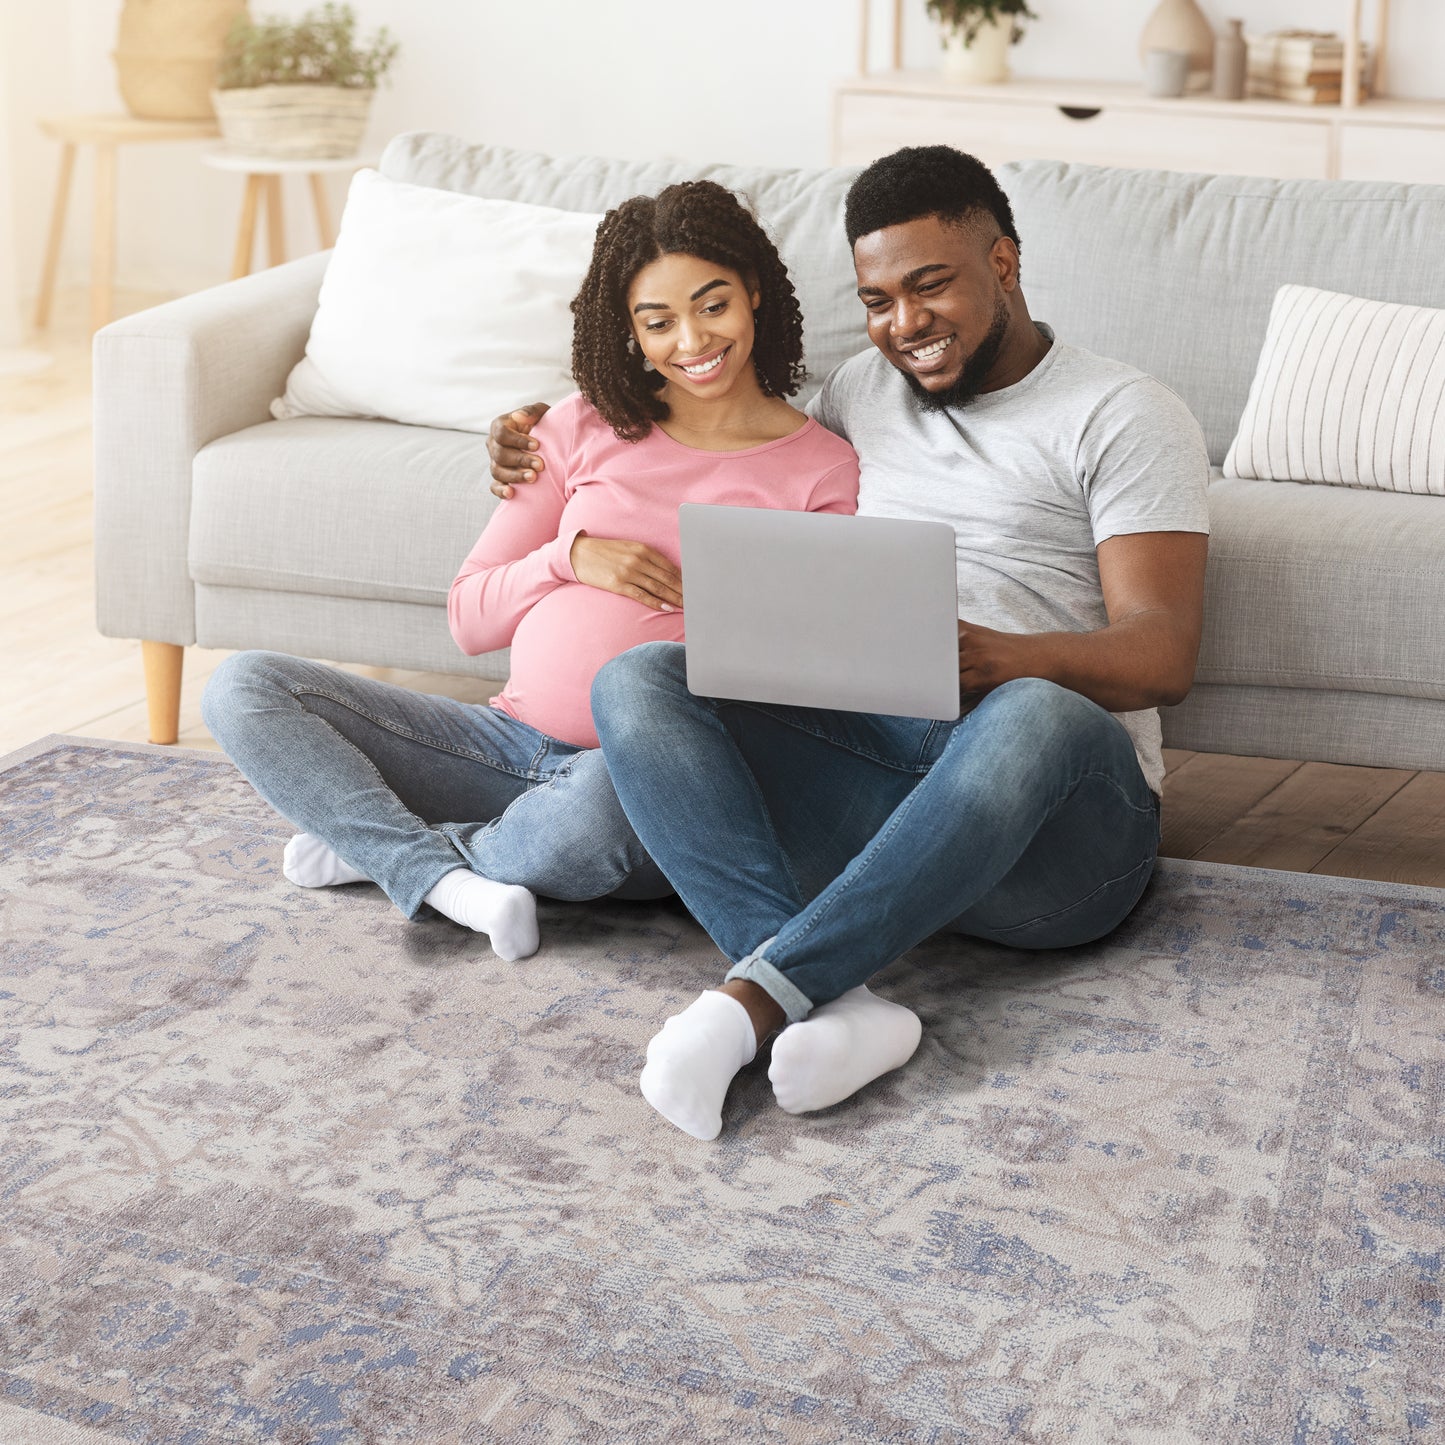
1348	392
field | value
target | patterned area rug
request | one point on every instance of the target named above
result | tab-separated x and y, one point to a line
280	1166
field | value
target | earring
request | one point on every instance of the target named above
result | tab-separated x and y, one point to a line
632	351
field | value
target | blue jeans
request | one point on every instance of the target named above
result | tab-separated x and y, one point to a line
378	771
816	847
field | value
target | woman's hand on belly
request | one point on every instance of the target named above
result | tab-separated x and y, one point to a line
630	569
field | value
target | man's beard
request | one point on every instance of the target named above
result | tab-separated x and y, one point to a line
975	369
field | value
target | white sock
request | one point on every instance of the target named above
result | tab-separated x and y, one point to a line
311	862
505	912
692	1061
840	1047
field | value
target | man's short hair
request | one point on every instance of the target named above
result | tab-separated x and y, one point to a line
922	181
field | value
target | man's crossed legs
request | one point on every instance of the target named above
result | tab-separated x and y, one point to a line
817	847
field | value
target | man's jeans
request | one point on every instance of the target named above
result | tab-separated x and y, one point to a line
816	847
377	771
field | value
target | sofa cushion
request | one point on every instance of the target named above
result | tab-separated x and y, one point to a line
1324	587
802	210
1346	393
1176	273
440	309
362	509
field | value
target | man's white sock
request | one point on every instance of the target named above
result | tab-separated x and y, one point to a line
839	1047
692	1061
312	862
505	912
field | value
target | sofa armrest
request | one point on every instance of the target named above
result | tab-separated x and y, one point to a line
168	381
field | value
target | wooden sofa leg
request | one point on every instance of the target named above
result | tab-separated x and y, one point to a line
163	662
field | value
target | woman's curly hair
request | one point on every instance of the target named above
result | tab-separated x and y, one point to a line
695	218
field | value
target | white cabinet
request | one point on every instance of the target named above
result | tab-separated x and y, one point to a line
1117	125
1392	152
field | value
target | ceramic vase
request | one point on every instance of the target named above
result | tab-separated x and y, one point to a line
1231	62
167	55
984	61
1180	25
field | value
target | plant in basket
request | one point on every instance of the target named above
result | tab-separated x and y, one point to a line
300	89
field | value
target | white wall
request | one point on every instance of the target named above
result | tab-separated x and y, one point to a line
34	59
10	329
749	81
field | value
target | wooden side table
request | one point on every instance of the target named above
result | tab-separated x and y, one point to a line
107	133
263	193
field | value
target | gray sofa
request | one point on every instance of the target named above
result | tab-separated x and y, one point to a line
338	538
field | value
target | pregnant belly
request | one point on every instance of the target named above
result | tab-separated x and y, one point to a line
560	645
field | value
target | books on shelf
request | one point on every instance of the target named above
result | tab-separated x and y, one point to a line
1303	66
1297	75
1298	94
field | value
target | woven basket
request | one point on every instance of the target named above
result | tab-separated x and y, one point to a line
167	54
293	122
173	87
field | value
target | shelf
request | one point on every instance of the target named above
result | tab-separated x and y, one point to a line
1086	95
1108	124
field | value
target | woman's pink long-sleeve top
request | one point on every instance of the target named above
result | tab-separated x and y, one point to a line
517	586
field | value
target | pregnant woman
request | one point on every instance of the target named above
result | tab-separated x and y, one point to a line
687	339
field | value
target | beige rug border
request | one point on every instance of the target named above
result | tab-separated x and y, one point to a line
22	1426
51	740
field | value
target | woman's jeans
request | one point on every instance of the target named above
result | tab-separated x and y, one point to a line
816	847
378	771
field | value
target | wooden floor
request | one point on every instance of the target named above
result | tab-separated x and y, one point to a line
61	676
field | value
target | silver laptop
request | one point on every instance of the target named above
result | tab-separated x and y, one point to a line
817	610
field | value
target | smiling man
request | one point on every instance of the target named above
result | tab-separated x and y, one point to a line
816	847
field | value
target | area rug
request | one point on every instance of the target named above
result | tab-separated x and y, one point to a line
280	1166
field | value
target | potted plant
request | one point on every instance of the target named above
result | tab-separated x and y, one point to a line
977	35
299	88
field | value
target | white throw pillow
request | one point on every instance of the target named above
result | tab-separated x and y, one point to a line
441	309
1347	391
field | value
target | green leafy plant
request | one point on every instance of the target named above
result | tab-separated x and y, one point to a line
970	16
321	48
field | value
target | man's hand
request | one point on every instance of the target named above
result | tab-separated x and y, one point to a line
988	659
631	569
1153	585
513	449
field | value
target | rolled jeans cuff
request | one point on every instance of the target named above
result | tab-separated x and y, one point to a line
756	969
424	871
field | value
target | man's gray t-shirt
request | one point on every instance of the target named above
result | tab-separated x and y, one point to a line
1032	479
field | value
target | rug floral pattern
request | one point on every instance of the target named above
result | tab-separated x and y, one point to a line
280	1166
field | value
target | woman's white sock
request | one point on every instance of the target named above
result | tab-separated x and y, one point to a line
839	1047
505	912
312	862
692	1061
